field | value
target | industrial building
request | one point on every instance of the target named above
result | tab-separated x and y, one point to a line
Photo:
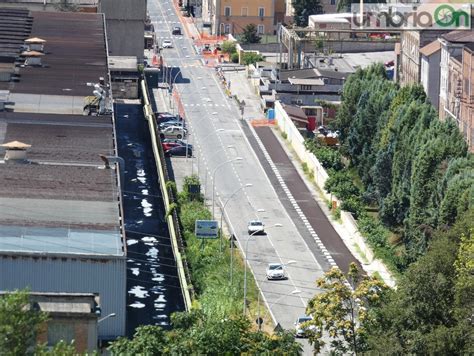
60	205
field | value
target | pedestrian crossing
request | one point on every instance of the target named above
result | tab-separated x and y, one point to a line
205	105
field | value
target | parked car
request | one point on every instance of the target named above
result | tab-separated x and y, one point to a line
173	132
176	30
169	145
175	122
255	227
177	141
179	151
276	271
302	331
167	44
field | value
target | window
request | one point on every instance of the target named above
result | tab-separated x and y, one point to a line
333	2
306	87
261	11
245	11
227	11
226	28
260	29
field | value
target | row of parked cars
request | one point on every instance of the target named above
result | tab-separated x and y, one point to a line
173	132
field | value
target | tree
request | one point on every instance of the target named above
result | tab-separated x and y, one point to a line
343	312
194	333
250	35
19	323
303	9
228	47
427	314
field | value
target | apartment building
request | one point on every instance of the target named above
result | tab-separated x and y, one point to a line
430	59
232	16
409	65
451	81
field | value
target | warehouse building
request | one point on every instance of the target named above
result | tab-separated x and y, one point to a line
60	205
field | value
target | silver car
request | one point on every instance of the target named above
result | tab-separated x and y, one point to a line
255	227
276	271
173	132
302	331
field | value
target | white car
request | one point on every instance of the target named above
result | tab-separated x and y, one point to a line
256	227
276	271
167	44
302	331
174	132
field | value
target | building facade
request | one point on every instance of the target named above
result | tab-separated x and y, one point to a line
430	59
467	96
125	21
409	68
232	16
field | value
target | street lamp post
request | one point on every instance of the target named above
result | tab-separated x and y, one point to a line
245	264
214	154
214	178
111	315
296	291
222	215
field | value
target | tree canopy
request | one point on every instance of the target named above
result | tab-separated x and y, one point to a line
303	9
250	34
195	334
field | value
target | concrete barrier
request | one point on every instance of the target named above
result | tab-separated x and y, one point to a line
171	218
296	141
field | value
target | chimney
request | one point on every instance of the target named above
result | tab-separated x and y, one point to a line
35	44
33	58
15	151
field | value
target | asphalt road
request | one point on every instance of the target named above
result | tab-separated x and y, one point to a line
218	137
153	288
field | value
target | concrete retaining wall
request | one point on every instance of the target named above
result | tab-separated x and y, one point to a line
166	198
296	141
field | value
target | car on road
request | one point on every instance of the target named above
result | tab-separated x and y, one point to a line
167	44
255	227
179	151
301	329
276	271
176	30
173	132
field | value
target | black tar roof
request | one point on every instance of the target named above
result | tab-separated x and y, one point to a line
75	54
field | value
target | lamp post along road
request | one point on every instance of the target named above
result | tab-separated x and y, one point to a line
222	215
214	154
245	264
214	179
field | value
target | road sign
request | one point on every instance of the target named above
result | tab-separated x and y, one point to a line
206	229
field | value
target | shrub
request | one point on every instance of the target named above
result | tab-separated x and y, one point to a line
234	57
251	58
353	205
340	184
228	47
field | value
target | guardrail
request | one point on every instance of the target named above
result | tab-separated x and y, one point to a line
177	243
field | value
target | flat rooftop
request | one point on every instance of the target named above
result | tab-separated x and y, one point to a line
61	200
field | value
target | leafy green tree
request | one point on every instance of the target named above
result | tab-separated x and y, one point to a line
341	185
303	9
420	316
228	47
19	323
342	312
250	34
194	333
